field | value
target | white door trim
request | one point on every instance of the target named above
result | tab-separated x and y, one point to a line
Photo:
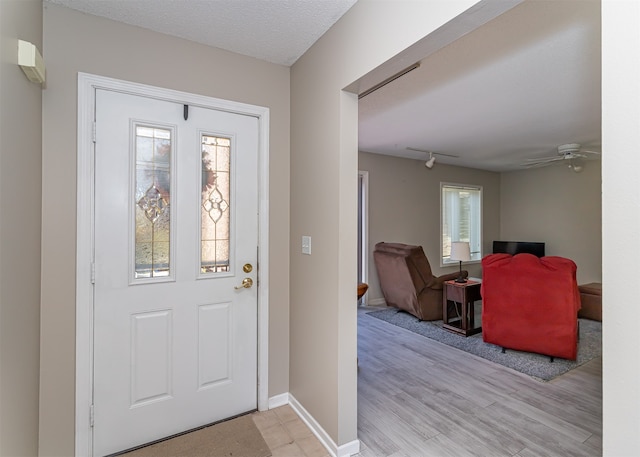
365	229
87	84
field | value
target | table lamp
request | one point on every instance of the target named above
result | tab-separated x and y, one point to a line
460	251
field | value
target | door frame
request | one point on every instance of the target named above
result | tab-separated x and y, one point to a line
87	85
363	216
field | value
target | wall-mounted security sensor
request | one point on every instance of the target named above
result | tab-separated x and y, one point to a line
31	62
306	245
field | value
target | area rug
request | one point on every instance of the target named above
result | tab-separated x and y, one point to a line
237	437
534	365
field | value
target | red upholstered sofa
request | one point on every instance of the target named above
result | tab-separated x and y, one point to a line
530	304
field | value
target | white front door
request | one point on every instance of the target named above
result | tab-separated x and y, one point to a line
176	234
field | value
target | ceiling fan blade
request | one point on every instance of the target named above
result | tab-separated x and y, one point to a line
541	161
544	159
537	164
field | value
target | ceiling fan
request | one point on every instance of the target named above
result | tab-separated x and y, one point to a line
570	153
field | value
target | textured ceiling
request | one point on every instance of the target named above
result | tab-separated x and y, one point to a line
278	31
516	88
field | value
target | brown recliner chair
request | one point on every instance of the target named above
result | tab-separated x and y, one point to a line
407	282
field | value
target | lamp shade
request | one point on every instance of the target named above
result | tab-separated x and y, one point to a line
461	251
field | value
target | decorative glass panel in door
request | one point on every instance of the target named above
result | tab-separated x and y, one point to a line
152	202
215	207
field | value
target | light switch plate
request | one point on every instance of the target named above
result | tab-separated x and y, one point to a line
306	245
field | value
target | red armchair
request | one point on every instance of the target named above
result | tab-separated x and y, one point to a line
530	304
407	282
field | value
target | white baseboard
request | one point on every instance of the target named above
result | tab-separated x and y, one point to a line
377	302
351	448
334	450
278	400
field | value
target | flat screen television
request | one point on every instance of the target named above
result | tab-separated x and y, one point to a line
518	247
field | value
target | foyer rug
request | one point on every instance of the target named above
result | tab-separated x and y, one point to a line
534	365
237	437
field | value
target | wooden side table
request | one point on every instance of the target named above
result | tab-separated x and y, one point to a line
362	289
458	313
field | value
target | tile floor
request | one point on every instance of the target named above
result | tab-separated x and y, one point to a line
287	435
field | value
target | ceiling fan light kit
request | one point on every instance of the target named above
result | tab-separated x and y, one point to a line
576	167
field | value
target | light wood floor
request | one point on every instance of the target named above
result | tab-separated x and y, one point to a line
418	397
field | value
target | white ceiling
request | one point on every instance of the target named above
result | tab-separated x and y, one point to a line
516	88
513	89
278	31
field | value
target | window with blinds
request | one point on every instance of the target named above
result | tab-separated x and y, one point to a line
461	219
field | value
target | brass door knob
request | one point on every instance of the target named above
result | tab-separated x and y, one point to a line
246	284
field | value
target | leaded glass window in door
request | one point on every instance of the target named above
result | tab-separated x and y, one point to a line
153	148
215	214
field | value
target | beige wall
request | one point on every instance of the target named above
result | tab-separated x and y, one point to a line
75	42
562	208
20	207
404	207
551	204
324	169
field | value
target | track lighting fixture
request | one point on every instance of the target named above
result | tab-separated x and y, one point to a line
429	163
432	159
